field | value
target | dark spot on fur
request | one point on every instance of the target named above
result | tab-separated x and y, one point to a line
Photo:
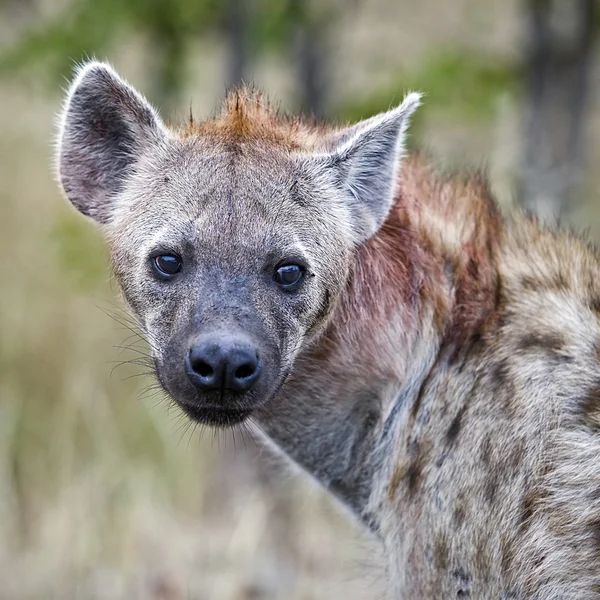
552	342
560	282
429	554
166	179
440	552
472	269
515	458
395	482
413	475
391	419
506	555
499	374
298	198
463	352
527	508
323	311
557	282
450	270
459	512
409	472
594	304
503	386
371	521
594	526
529	283
499	299
486	450
355	493
456	425
441	459
589	407
482	558
418	457
475	345
491	486
417	403
462	580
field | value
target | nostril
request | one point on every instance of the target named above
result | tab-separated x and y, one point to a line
203	368
245	370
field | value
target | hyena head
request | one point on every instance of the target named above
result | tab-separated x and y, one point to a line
231	239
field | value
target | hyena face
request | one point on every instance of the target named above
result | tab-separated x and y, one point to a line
232	240
224	274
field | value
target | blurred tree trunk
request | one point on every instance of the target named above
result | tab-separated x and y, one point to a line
17	5
558	75
16	15
237	34
169	76
169	53
310	56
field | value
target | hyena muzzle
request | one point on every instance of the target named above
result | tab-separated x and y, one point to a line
431	362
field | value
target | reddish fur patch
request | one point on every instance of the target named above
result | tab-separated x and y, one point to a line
460	225
389	275
477	283
247	117
403	269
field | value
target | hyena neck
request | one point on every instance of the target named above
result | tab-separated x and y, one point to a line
420	291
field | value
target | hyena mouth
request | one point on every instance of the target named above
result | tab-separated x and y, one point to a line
216	416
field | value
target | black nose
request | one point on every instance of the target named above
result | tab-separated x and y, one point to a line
223	364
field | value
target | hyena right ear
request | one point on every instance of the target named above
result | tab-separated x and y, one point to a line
363	163
104	129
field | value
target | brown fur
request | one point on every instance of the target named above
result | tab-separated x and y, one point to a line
247	116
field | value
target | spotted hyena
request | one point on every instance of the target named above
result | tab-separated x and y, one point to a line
431	362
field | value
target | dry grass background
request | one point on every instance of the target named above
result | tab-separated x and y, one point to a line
104	492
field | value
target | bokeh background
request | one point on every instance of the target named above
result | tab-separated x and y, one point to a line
104	492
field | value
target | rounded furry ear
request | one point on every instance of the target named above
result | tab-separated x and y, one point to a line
105	127
365	160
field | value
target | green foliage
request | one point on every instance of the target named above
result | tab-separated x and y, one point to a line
275	22
91	27
80	253
456	83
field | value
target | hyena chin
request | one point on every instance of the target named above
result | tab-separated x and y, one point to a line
431	362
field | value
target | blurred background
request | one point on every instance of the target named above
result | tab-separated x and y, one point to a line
104	492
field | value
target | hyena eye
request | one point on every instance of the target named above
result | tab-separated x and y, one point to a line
287	276
166	265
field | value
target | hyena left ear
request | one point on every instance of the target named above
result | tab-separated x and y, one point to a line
365	161
105	127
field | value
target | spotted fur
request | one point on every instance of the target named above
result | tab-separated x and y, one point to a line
438	372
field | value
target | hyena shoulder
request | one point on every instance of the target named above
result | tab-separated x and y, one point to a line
495	469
